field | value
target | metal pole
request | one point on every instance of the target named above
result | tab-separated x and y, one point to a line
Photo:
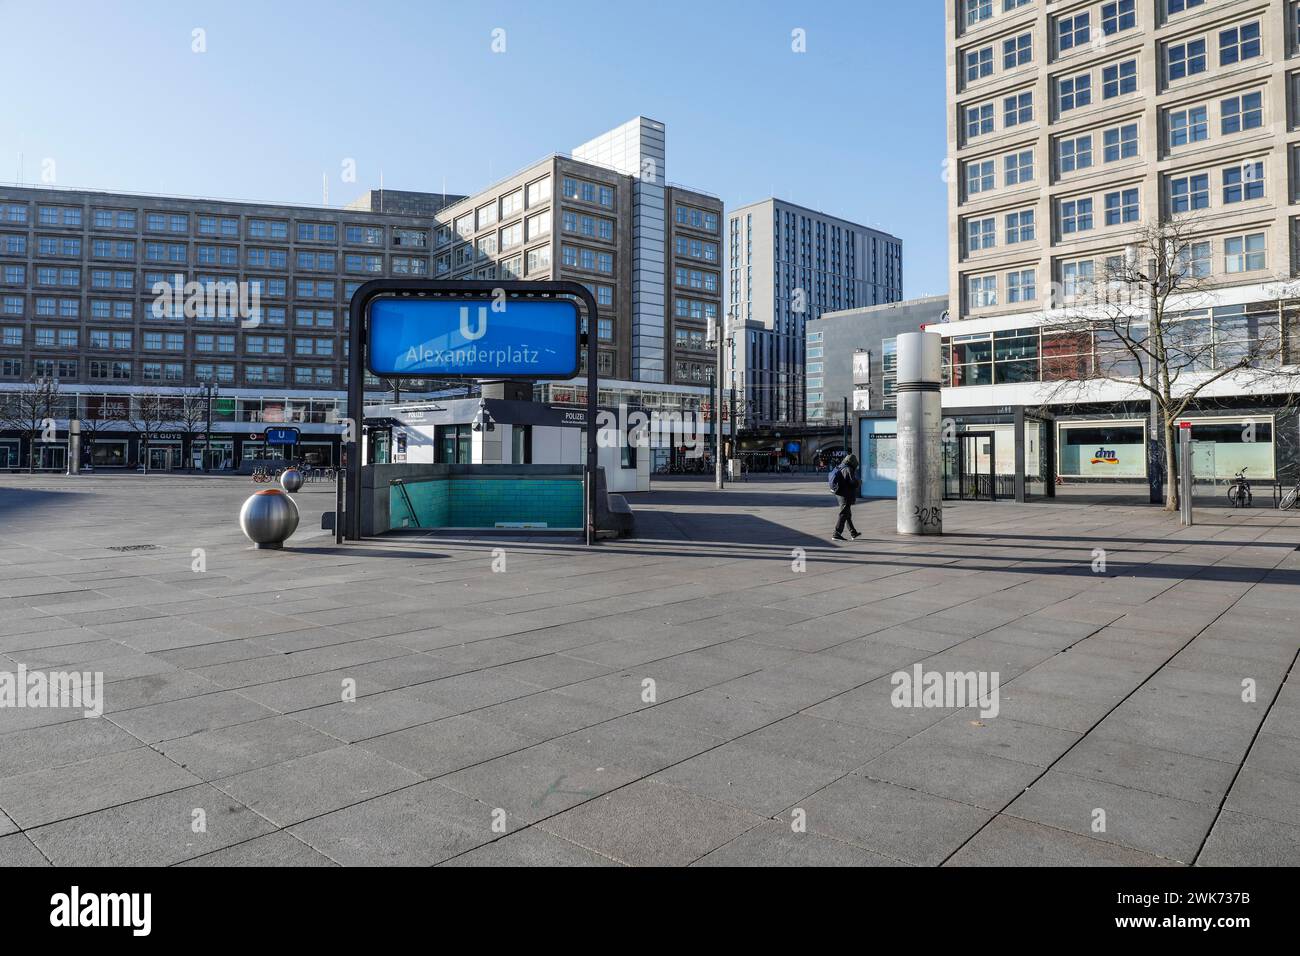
1185	475
207	441
847	449
720	344
593	387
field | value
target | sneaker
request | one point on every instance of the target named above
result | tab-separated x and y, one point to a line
837	537
855	534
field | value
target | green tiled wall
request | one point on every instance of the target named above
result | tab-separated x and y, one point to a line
481	503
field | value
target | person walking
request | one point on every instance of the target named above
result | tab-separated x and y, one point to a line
846	483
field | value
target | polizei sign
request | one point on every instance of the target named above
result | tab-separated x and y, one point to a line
483	337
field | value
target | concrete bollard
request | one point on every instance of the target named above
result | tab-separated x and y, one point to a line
268	518
920	424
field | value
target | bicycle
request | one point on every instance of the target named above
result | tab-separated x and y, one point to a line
1290	498
1239	495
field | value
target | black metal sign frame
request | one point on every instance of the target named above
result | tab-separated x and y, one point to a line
472	290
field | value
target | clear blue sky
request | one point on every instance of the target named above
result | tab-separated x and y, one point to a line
288	90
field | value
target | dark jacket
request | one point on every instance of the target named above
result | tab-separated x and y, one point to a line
850	486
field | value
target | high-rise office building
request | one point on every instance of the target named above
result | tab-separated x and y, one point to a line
1075	130
78	271
786	266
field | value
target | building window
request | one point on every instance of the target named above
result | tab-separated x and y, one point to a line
1244	253
1185	59
1118	16
977	10
1188	126
1076	278
979	234
1074	92
1075	154
1121	207
1244	182
1120	143
1072	32
1178	6
1119	79
1020	226
1238	113
1018	109
1019	167
979	63
979	177
1017	51
1076	215
979	120
982	291
1021	286
1193	260
1189	193
1238	43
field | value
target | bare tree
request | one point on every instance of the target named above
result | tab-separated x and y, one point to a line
1145	321
150	413
31	411
190	408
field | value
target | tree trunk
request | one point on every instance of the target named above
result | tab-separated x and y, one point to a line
31	455
1171	466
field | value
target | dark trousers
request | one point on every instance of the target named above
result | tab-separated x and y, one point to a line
846	516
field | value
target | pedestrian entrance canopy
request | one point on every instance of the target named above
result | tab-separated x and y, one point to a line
484	336
467	329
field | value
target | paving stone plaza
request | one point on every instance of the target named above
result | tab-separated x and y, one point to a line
715	691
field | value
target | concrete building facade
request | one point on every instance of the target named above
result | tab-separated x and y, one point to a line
787	265
1076	128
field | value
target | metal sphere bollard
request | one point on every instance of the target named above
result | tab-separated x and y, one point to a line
291	480
268	518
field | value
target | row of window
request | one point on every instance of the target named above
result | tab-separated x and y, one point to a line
1081	279
696	218
15	212
174	372
1114	17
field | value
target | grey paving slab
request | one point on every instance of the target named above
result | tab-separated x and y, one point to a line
1239	839
274	849
1137	819
446	746
43	796
645	742
978	779
226	751
526	688
43	748
311	785
179	718
537	782
1142	767
156	831
1008	841
17	850
416	826
1000	737
776	843
628	825
530	847
901	824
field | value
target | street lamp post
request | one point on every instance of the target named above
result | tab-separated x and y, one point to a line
210	390
717	335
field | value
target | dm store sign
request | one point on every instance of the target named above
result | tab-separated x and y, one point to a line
479	338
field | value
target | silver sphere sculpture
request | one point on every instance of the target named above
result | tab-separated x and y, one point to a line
291	479
268	518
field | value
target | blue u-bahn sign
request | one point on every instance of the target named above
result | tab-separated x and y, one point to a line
281	436
473	337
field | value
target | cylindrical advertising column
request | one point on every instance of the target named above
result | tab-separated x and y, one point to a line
920	412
